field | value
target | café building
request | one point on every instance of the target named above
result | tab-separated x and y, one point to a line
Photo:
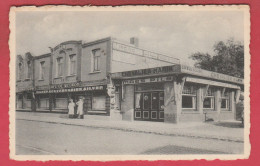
177	93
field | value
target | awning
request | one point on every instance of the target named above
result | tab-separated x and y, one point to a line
210	82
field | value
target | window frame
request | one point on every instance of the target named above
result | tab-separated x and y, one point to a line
96	60
193	94
227	98
28	70
59	73
20	66
72	59
211	97
41	70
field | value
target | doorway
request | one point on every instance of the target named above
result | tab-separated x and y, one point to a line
149	106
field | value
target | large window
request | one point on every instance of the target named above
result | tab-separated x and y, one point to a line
189	97
19	71
99	103
225	101
96	59
209	99
41	71
72	64
59	70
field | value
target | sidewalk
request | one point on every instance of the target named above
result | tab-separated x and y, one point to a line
226	131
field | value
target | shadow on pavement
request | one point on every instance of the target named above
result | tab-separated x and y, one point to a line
229	124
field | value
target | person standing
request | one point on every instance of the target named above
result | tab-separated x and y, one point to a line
71	108
80	109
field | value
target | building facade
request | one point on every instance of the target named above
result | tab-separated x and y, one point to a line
122	81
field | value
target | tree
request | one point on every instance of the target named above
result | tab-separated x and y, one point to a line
228	59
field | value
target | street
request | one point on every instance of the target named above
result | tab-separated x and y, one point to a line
41	138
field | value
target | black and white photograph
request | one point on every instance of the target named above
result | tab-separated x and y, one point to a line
129	82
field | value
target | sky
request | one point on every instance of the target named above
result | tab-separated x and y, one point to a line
174	33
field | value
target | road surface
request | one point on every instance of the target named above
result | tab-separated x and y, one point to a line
41	138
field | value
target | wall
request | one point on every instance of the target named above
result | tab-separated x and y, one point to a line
87	73
125	57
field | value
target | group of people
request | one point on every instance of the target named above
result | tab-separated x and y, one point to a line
76	106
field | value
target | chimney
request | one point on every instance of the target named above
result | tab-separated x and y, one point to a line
134	41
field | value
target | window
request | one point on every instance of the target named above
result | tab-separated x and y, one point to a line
225	101
59	67
209	99
42	69
96	59
189	97
28	70
19	71
72	65
99	103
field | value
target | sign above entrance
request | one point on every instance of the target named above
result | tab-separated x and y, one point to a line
81	89
148	80
152	71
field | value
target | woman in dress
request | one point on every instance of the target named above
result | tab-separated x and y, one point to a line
71	108
80	108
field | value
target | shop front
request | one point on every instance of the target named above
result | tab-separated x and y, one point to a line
173	96
95	98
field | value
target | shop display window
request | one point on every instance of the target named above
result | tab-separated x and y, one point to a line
225	101
209	100
99	103
189	97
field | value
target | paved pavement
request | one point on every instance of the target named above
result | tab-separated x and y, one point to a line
41	138
226	131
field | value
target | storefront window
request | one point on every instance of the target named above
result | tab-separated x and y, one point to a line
61	101
225	101
189	97
209	100
99	103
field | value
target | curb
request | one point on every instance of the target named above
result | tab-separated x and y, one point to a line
141	131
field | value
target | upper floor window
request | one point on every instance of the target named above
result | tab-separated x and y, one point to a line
209	99
96	59
28	69
189	96
59	68
19	71
42	69
72	64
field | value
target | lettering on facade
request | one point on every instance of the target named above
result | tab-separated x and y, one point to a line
148	80
68	85
157	70
209	74
145	53
80	89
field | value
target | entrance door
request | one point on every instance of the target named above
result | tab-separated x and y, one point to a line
149	106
